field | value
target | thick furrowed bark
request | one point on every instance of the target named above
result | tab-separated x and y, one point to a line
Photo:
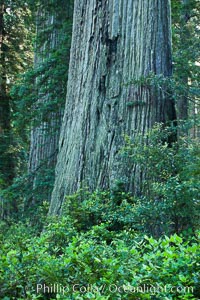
113	43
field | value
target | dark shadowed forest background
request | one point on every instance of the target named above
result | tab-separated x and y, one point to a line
99	149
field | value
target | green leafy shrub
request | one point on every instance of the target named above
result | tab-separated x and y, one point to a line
81	265
115	208
170	188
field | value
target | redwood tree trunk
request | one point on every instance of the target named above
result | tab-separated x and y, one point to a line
44	136
45	133
114	42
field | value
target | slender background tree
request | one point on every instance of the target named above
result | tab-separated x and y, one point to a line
186	57
53	40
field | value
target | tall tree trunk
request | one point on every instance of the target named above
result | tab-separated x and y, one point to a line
114	42
45	134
